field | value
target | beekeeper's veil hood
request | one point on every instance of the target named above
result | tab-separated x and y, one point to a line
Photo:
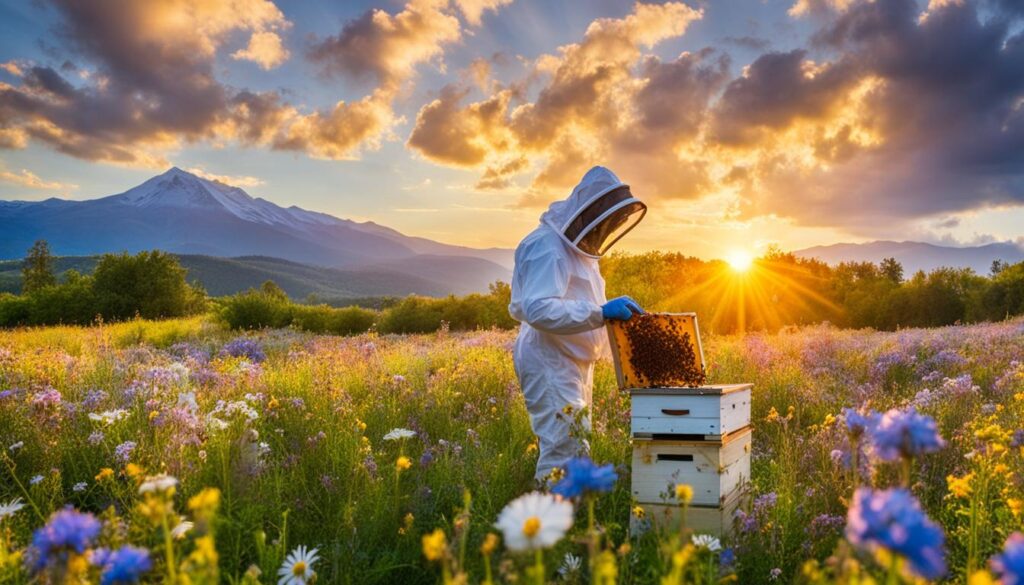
597	214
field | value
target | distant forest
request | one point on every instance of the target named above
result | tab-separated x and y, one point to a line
778	290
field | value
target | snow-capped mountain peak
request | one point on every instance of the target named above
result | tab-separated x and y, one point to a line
182	189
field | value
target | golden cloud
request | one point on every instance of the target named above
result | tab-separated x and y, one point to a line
265	49
27	178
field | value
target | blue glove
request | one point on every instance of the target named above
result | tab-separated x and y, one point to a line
621	308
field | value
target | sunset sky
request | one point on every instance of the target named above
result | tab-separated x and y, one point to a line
740	122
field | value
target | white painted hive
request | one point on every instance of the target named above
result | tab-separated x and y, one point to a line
708	412
715	469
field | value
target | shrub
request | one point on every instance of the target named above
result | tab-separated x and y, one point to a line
325	319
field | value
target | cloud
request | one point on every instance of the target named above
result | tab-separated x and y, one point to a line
447	133
150	87
13	68
233	180
27	178
153	84
265	49
473	10
591	106
388	47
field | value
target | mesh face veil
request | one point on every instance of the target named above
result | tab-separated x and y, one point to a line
602	222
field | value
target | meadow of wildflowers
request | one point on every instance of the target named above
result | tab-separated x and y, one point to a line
178	452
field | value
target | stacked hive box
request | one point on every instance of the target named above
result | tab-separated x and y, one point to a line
683	433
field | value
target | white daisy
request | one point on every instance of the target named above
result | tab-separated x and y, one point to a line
298	567
158	483
108	417
706	541
179	531
11	508
396	434
535	520
570	564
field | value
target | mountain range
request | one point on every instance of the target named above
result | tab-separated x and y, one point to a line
916	256
182	213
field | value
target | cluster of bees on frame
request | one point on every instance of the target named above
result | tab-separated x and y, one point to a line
662	354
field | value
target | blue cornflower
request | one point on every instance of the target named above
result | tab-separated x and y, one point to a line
582	475
67	529
893	520
1009	566
727	558
857	424
905	433
124	565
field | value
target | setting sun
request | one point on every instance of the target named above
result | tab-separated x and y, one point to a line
740	260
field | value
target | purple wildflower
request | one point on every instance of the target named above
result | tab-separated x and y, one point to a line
1018	438
1009	566
370	464
244	347
893	520
857	424
123	452
905	433
67	529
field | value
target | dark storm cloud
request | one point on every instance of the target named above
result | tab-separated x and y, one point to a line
778	89
948	109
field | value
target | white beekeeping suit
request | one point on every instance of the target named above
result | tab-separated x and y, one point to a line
558	295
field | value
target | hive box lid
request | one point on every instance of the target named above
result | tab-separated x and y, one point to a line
706	390
674	325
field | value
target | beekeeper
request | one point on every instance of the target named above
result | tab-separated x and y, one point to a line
558	297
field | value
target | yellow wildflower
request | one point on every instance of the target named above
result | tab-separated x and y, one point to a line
960	487
435	545
1016	506
153	414
624	549
403	463
132	470
273	403
105	473
684	493
1001	469
639	512
360	425
205	503
981	578
490	544
556	475
773	415
531	448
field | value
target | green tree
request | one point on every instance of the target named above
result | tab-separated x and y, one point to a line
149	284
892	269
37	272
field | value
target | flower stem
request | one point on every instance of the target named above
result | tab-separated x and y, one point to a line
538	567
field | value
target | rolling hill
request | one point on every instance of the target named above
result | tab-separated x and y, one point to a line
224	276
918	255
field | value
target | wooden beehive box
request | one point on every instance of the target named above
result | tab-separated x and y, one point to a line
715	520
706	412
673	340
714	469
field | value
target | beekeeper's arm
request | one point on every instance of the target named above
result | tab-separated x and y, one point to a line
542	281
